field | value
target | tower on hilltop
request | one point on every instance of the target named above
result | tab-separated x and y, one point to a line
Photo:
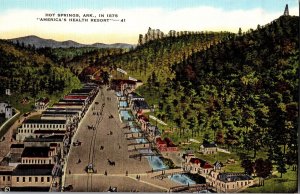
286	10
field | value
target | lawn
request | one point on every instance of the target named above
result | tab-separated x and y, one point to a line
287	184
223	157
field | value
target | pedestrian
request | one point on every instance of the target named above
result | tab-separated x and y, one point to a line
105	173
126	173
69	171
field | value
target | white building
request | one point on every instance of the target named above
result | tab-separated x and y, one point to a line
30	126
6	109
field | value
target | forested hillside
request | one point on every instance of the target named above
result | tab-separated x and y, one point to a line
242	92
24	70
155	58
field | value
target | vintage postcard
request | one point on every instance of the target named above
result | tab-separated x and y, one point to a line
149	96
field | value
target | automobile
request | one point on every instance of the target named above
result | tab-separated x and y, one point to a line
90	168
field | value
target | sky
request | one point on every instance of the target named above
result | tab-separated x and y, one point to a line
23	17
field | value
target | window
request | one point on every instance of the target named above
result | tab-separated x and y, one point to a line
42	179
241	183
8	178
30	179
18	179
23	179
3	178
48	179
36	179
49	161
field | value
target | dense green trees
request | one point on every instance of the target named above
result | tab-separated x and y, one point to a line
23	70
241	91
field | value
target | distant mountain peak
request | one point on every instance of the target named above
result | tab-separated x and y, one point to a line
41	42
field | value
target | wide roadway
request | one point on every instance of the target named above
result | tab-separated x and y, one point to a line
108	133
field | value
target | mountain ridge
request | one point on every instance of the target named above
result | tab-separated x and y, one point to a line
39	42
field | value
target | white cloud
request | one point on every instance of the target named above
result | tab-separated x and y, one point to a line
24	22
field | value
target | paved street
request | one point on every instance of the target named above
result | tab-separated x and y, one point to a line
109	134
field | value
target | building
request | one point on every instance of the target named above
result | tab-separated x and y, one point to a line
196	165
61	115
5	176
27	177
28	127
17	148
42	103
85	98
14	156
209	148
120	85
6	109
69	105
229	182
66	109
140	105
52	140
7	92
165	145
133	97
143	120
38	155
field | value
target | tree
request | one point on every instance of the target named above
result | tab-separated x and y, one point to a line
206	138
248	166
279	160
240	32
262	169
220	137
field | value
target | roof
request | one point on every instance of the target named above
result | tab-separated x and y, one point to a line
36	152
67	104
17	146
5	172
53	144
84	90
123	81
33	170
135	95
51	138
79	101
44	100
76	97
160	141
58	113
48	132
32	189
61	109
203	163
40	121
141	104
209	145
232	177
15	158
143	117
217	163
169	142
